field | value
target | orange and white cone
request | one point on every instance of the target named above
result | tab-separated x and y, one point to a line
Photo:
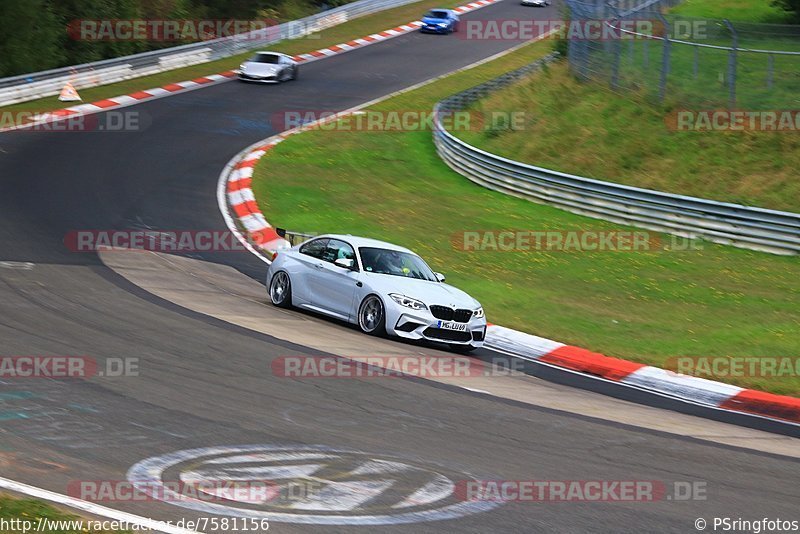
69	94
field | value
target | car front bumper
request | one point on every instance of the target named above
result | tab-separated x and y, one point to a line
272	78
421	324
434	29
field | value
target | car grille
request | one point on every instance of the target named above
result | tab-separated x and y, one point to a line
446	313
447	335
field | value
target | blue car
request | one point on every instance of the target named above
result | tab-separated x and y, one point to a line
440	21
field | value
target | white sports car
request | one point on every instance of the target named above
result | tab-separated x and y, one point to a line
268	67
535	3
380	287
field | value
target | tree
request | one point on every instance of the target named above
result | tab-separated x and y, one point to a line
30	37
78	51
792	6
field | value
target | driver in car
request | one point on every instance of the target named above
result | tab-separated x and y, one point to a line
392	264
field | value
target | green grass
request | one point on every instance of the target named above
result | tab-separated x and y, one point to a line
647	307
623	138
338	34
734	10
698	77
32	509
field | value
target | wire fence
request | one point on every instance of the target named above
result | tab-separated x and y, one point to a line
683	61
776	232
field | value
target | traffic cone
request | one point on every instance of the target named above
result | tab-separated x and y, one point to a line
69	94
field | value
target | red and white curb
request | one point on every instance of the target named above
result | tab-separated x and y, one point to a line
189	85
692	389
119	101
239	197
689	388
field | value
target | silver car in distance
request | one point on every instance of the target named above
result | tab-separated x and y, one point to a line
383	288
268	67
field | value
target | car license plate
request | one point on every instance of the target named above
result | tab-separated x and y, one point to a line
458	327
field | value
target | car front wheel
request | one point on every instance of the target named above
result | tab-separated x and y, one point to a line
372	317
280	290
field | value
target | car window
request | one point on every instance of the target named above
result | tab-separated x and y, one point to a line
338	249
437	14
314	248
265	58
395	263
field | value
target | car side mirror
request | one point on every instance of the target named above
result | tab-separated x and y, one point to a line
345	263
439	276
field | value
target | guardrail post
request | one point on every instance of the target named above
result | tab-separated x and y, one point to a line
665	58
732	62
631	51
617	49
770	70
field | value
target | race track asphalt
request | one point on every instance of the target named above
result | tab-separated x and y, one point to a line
205	383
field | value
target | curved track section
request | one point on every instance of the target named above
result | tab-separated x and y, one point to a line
205	385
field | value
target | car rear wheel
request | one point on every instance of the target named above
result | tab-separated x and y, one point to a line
371	316
280	290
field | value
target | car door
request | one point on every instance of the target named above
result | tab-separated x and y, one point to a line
284	68
310	261
334	287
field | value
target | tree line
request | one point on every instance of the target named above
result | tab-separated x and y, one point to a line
792	6
35	34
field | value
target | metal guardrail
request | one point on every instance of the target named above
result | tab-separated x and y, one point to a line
777	232
219	48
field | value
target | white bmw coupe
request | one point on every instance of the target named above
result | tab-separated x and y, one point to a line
383	288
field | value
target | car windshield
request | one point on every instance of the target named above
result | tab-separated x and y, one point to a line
395	263
437	14
265	58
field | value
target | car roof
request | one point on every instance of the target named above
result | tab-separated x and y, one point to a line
440	9
268	53
357	242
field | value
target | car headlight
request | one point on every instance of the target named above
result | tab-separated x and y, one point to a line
242	67
442	24
408	302
477	314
